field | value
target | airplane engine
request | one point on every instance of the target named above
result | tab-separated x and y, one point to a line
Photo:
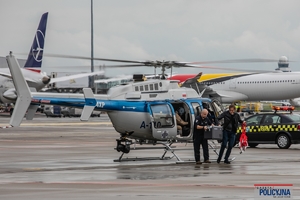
8	96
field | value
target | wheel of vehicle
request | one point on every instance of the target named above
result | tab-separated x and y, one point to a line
283	141
252	145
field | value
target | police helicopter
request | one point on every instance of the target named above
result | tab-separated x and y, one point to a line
144	111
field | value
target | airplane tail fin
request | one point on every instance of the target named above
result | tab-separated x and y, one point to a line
35	56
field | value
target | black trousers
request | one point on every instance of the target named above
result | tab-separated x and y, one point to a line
199	139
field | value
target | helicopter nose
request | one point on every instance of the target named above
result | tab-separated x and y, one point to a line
46	79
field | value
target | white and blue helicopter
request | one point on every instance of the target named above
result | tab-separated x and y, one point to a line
144	111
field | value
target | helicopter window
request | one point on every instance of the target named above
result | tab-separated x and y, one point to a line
136	88
141	88
162	115
160	84
151	86
156	86
146	87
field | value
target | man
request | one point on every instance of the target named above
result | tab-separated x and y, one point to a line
201	124
231	120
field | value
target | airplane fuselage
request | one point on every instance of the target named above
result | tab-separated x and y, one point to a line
262	87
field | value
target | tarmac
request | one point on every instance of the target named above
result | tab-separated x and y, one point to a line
63	158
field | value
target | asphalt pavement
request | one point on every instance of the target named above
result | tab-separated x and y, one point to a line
63	158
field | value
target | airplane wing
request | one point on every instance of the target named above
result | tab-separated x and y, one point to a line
193	80
8	75
226	95
66	78
202	82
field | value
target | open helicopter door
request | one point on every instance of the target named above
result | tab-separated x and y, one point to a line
162	117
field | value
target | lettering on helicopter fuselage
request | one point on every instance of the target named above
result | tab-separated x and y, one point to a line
156	125
100	104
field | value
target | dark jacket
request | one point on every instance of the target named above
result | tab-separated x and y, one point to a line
227	121
201	122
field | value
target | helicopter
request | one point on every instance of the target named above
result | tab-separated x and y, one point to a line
144	110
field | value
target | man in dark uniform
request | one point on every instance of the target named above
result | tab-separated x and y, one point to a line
201	124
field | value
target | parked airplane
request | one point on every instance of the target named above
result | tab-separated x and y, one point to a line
233	87
32	68
230	87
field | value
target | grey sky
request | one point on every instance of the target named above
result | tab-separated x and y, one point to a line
159	30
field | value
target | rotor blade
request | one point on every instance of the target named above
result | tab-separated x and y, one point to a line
104	66
89	58
250	60
234	69
65	78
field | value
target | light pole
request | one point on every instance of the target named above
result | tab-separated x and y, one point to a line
91	79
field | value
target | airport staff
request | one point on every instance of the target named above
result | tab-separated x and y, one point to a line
200	125
231	120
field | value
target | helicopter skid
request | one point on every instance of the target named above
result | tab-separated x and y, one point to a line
141	159
167	147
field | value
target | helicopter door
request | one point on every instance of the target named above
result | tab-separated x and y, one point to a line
217	107
162	121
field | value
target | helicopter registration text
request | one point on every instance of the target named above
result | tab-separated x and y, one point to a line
100	104
145	125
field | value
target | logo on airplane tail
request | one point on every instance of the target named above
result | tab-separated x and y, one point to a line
38	52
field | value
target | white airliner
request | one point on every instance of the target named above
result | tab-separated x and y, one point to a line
232	87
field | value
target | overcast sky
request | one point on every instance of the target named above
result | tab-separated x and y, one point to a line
190	30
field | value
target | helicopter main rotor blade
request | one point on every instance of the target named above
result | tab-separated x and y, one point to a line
181	65
170	64
250	60
89	58
223	68
149	62
108	66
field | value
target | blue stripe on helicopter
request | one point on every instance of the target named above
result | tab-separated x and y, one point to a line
119	105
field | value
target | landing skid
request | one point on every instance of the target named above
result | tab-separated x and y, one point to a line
167	147
140	159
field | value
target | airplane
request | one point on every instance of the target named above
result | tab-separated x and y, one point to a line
234	87
141	110
32	68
